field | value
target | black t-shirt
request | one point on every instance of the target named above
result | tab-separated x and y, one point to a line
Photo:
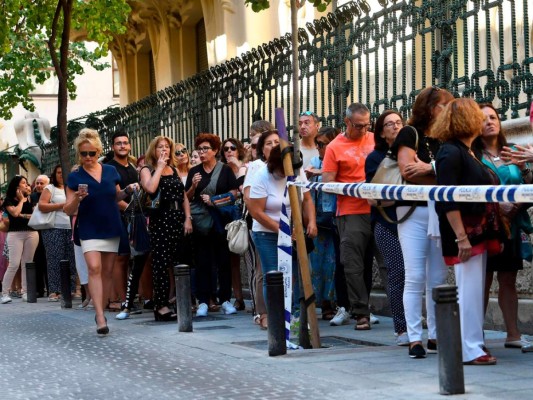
427	147
226	180
128	175
19	224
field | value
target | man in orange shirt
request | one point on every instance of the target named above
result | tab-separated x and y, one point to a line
344	161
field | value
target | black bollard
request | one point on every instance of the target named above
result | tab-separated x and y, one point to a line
31	282
451	374
66	294
182	276
276	314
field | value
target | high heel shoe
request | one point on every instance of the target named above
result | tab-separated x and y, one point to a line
103	330
169	316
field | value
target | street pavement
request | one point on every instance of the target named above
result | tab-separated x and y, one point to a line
50	353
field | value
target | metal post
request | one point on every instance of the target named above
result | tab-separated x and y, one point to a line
31	282
276	314
66	294
182	276
451	375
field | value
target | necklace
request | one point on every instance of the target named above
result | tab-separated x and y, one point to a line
494	157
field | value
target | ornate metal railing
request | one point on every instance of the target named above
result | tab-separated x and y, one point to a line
476	48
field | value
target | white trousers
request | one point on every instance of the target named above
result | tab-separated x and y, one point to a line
470	279
22	246
81	265
424	269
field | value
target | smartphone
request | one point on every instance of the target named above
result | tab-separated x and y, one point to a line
82	188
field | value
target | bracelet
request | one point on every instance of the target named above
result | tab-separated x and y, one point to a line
461	239
434	167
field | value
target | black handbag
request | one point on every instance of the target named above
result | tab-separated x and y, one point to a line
138	234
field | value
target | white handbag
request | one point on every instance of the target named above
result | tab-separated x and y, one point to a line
40	220
238	235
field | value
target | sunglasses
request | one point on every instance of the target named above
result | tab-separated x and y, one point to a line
308	113
320	145
87	153
182	151
228	148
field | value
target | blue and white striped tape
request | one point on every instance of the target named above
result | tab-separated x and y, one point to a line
479	194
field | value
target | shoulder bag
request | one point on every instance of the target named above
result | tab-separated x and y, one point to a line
238	234
202	220
42	220
388	173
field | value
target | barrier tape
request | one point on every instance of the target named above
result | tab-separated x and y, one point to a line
479	194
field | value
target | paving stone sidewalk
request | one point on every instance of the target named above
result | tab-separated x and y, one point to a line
49	353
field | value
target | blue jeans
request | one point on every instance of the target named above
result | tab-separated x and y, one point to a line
266	244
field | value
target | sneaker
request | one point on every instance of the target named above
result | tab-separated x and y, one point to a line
528	348
123	315
432	346
341	318
202	310
518	344
24	297
417	351
373	319
402	339
227	308
5	299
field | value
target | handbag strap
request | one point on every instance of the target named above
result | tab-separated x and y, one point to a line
391	221
211	187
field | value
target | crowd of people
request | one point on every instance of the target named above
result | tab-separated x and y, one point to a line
195	194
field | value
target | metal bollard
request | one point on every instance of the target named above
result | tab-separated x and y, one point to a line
31	282
66	294
276	314
182	276
451	374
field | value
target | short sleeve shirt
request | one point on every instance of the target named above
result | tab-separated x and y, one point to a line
346	157
98	213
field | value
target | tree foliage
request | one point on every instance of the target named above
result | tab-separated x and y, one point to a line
259	5
31	37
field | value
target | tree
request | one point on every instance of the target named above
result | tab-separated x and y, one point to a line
35	45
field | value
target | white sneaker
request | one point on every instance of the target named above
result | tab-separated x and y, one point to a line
123	315
202	310
227	308
5	299
24	297
373	319
402	340
341	318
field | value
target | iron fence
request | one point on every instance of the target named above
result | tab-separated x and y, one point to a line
475	48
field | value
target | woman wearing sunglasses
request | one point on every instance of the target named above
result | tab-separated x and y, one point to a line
233	153
92	193
184	162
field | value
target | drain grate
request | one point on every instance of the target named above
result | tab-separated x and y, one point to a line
212	328
328	342
195	320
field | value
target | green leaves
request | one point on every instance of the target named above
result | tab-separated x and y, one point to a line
259	5
25	57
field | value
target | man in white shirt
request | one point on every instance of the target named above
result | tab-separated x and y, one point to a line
308	124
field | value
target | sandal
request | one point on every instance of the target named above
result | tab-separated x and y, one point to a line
214	307
239	305
363	324
482	360
114	306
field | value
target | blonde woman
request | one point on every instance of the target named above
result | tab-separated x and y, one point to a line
92	193
184	162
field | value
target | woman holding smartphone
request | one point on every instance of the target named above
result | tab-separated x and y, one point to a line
92	193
